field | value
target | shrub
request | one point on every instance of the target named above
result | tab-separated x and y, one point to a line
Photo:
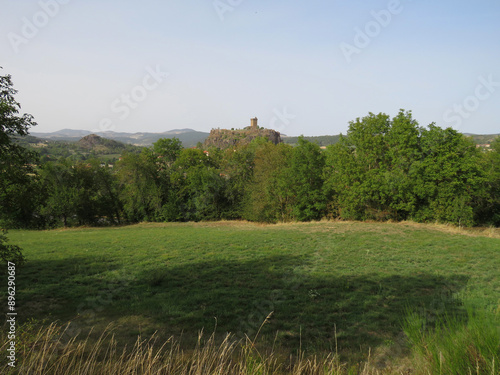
10	253
456	345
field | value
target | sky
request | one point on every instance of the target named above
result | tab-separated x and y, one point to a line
300	67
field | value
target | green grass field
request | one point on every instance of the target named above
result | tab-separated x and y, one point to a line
330	285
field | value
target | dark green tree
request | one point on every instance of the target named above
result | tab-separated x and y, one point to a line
59	182
393	169
306	172
488	208
270	197
19	193
198	187
97	196
237	165
449	177
167	150
356	170
140	190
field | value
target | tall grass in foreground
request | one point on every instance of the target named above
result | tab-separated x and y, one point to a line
456	345
463	346
49	351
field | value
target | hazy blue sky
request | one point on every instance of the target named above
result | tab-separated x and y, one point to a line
302	67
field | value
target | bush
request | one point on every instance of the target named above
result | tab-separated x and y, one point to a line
456	345
10	253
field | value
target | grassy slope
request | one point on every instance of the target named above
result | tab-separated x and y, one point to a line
355	279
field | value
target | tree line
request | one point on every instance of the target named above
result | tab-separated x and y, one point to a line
383	169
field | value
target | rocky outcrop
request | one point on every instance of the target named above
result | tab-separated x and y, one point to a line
224	138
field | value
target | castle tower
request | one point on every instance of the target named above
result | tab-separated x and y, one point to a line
253	123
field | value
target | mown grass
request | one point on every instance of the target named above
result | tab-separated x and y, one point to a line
333	287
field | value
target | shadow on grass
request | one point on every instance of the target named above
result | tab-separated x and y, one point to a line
311	310
51	290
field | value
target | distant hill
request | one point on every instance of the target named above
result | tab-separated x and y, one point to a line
89	147
63	135
482	139
191	138
98	144
188	137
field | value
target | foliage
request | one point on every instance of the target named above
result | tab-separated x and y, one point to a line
10	123
487	206
383	169
18	187
10	253
466	344
449	176
198	185
322	140
394	169
83	194
167	149
237	166
306	181
20	191
105	150
140	193
269	196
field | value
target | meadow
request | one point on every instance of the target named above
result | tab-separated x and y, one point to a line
357	290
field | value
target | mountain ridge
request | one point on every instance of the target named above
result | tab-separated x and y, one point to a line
188	137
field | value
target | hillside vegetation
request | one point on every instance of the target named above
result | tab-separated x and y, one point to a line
89	147
383	169
188	137
482	139
322	140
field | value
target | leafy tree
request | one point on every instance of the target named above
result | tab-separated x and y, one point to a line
10	253
139	188
198	187
83	193
450	176
270	198
306	172
393	169
487	198
61	203
356	170
19	191
163	154
490	206
18	187
403	152
10	122
237	165
167	150
97	196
